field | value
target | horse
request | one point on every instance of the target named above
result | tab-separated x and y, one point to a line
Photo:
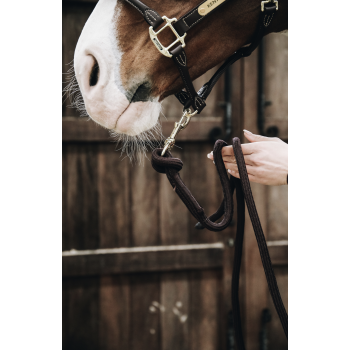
123	78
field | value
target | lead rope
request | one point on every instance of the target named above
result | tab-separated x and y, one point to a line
171	167
164	162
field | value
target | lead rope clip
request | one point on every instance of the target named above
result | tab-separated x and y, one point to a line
184	121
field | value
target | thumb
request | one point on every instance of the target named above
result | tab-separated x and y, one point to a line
256	138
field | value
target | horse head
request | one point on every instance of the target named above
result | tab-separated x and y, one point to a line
122	76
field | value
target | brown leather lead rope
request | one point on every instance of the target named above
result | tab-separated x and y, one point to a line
171	167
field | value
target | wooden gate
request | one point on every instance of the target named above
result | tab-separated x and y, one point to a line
136	273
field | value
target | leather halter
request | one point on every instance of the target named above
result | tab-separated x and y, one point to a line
164	162
189	97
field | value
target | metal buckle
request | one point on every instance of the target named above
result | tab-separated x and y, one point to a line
266	2
184	121
157	43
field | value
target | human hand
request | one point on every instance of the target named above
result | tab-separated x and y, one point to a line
266	159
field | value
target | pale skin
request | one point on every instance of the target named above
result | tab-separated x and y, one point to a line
266	159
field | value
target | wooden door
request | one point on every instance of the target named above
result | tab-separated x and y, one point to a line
136	273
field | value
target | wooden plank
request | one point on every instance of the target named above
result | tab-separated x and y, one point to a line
174	286
276	90
144	232
145	324
278	251
114	230
114	210
80	314
80	199
277	212
144	205
276	83
142	259
205	319
80	230
115	318
255	299
175	295
85	130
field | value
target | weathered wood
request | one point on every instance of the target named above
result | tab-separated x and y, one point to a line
255	299
142	259
80	200
84	130
114	316
80	316
278	251
145	324
144	205
276	90
114	209
276	83
174	286
204	312
175	297
277	212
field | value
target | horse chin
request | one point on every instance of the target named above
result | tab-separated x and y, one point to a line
138	118
122	117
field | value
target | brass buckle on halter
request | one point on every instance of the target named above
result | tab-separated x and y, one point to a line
157	43
184	121
266	2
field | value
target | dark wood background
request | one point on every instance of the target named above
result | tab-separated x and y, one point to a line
136	274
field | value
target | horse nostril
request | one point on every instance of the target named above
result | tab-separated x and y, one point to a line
142	93
95	73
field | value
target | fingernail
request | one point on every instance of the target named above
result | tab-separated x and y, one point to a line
208	155
229	171
247	131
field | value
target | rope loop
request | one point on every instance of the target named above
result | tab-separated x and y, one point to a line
167	162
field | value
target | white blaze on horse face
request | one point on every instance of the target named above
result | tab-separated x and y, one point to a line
105	100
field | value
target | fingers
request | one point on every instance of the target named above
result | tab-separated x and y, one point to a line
258	138
229	155
251	178
210	156
233	167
